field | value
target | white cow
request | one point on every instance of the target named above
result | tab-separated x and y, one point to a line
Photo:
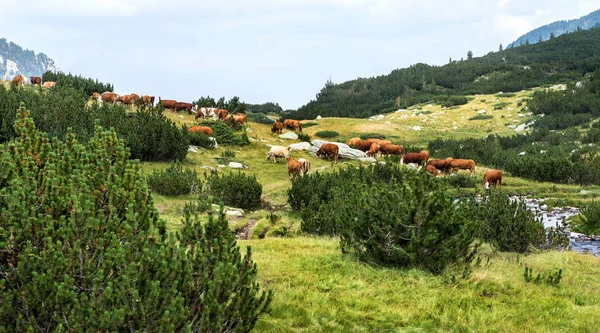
278	151
305	164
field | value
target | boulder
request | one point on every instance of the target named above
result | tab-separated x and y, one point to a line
345	150
416	128
521	128
289	136
236	165
319	117
481	112
214	141
300	146
193	149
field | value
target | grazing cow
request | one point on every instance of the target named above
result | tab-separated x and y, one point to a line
460	164
135	98
417	158
305	165
205	112
364	146
221	114
184	106
292	125
329	150
277	127
373	150
148	100
125	99
95	96
425	154
430	168
442	165
201	129
18	81
294	168
492	178
168	104
107	96
379	141
48	84
278	152
239	119
354	142
391	149
35	80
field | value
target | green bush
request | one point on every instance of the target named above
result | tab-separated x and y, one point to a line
450	101
225	135
201	140
327	134
372	135
481	117
500	106
304	137
84	249
504	95
174	180
589	219
506	223
309	124
461	181
234	189
260	118
592	136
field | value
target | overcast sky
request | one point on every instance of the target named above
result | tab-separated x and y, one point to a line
264	50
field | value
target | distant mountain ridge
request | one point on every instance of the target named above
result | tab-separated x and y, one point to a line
15	60
590	21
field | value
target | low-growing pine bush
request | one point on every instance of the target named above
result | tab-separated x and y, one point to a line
260	118
589	218
234	189
461	181
201	140
372	135
224	134
304	137
174	180
481	117
327	134
309	124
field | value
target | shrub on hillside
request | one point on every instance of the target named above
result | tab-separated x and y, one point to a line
327	134
234	189
174	180
201	140
225	135
304	137
372	135
592	136
505	95
589	219
260	118
481	117
461	181
84	248
505	222
449	101
500	106
309	124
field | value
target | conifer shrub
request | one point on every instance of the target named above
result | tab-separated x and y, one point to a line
372	135
589	219
225	135
234	189
461	181
201	140
481	117
505	95
304	137
327	134
260	118
309	124
506	222
174	180
84	249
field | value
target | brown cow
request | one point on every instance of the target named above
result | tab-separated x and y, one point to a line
364	146
292	125
328	149
18	81
294	168
425	154
125	99
413	158
354	142
107	96
379	141
95	96
277	127
201	129
442	165
460	164
373	150
168	104
430	168
221	114
48	84
240	118
184	106
35	80
391	149
305	165
492	178
135	98
148	100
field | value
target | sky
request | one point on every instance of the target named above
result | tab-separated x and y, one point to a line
264	50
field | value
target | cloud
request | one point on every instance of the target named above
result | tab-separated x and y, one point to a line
81	7
503	3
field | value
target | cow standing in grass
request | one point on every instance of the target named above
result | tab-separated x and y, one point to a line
329	150
492	178
461	164
294	168
305	165
277	127
278	152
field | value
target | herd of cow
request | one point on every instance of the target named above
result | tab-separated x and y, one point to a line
372	147
19	81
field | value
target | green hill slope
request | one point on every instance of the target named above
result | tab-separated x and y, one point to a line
565	58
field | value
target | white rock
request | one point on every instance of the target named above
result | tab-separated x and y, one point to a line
263	140
319	117
401	110
512	126
345	150
416	128
289	135
379	117
214	141
522	153
234	213
521	128
300	146
193	149
455	127
481	112
236	165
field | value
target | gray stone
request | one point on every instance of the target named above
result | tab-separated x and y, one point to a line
193	149
289	135
300	146
345	150
236	165
215	142
318	117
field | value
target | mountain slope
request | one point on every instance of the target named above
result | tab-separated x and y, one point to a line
15	60
562	59
558	28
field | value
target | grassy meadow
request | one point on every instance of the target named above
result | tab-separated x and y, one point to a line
317	289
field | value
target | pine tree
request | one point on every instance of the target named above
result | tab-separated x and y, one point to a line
84	249
469	55
552	35
450	60
541	39
500	48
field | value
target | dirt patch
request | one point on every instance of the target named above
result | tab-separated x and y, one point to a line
245	232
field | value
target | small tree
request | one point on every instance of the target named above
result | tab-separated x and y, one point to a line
500	48
469	55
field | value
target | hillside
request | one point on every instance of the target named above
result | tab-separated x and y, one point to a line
562	59
590	21
15	60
